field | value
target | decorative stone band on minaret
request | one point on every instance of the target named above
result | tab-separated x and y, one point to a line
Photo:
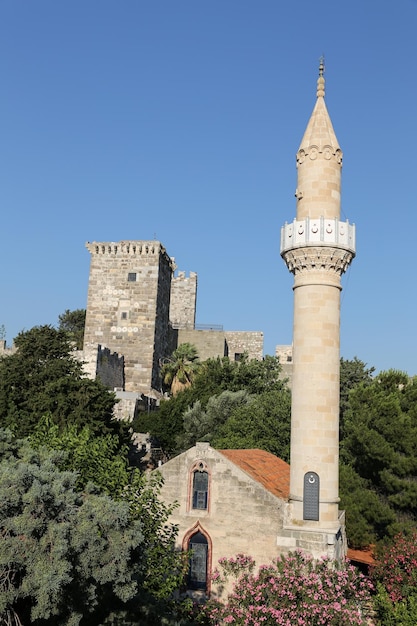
313	243
317	248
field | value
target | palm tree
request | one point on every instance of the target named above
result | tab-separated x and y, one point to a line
179	370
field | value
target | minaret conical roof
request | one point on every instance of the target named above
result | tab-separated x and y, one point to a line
319	131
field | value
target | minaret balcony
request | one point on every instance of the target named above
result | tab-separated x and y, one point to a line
318	232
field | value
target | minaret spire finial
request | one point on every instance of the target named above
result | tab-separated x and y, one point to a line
320	82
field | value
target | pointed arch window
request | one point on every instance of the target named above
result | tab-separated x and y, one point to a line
198	568
199	487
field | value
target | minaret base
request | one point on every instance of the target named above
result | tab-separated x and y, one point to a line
316	541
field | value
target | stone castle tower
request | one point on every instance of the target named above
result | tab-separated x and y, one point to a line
128	307
317	248
138	312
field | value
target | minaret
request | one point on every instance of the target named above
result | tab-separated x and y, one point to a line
317	248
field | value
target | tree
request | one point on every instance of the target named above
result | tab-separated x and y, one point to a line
165	565
73	322
293	590
380	445
64	555
352	373
71	557
252	375
201	425
369	518
264	422
179	371
43	377
96	458
213	377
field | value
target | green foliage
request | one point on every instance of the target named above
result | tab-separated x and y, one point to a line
388	613
63	553
180	370
71	557
264	422
380	443
165	566
43	377
73	323
96	458
352	373
213	377
368	517
251	375
200	425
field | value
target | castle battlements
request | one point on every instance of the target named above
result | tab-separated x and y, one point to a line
182	276
130	249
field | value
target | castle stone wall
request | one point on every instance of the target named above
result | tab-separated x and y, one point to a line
239	342
100	362
284	355
183	300
209	343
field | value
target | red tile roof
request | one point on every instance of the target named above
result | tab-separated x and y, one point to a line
361	556
266	468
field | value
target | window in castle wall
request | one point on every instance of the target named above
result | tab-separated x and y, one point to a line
238	356
197	574
131	277
124	315
200	490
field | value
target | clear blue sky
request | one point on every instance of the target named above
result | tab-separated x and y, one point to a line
179	120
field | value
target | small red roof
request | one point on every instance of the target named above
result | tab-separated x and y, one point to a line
266	468
361	556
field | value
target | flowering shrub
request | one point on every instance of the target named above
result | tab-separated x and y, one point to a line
396	567
293	591
395	576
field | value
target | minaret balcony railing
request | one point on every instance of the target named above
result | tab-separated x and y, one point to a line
318	232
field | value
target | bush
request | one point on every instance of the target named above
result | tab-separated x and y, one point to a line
293	590
395	576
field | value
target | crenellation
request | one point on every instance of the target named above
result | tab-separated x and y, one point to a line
129	248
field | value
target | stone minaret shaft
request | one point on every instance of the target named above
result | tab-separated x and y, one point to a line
317	248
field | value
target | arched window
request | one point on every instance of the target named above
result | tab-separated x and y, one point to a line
197	574
200	488
311	496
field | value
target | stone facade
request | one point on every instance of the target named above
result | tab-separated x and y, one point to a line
101	363
240	342
244	508
183	300
128	306
209	343
284	356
